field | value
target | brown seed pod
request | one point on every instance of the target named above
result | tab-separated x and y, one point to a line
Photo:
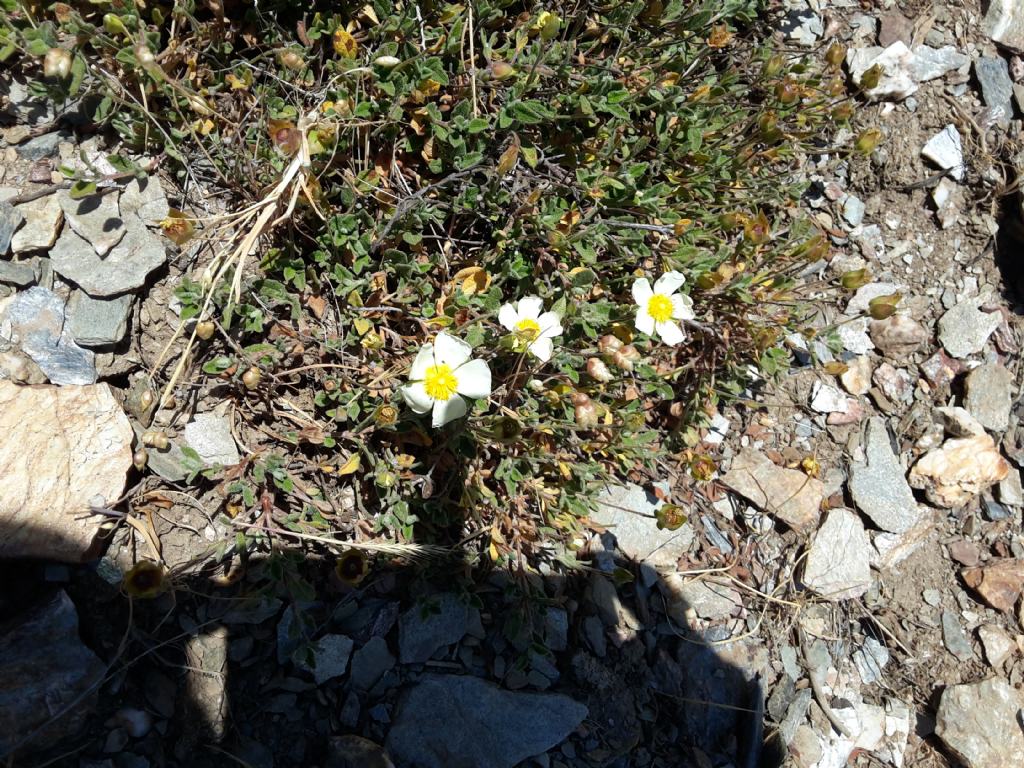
251	378
205	330
155	439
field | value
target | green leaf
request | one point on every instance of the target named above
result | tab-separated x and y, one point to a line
82	189
478	125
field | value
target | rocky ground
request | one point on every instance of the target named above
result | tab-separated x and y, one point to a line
850	593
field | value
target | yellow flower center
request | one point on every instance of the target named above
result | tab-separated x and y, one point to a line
659	306
528	329
439	382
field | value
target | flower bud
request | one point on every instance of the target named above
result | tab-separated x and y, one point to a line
882	307
585	411
855	279
205	330
787	91
386	416
867	141
774	65
57	63
598	371
155	439
871	78
608	344
625	357
291	59
502	70
251	378
835	54
843	112
387	62
144	56
140	458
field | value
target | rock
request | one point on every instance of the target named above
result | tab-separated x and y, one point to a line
946	196
870	659
965	328
34	320
628	512
958	471
41	146
878	485
998	645
802	27
894	26
999	584
898	336
209	435
19	368
965	552
891	549
828	399
854	336
356	752
788	494
18	273
44	667
42	223
1010	491
709	600
370	663
805	748
996	86
856	379
945	149
170	463
124	269
958	422
940	369
837	567
431	625
1004	23
988	396
853	210
896	63
954	638
95	218
10	220
605	597
330	657
98	322
930	63
980	723
205	686
25	107
145	199
896	383
860	303
448	720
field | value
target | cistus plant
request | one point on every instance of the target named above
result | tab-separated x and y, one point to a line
506	252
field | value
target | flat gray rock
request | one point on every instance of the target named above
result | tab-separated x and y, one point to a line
10	220
98	322
980	723
20	273
96	218
996	86
370	663
965	328
124	269
209	435
930	63
788	494
628	512
946	150
42	223
330	657
954	637
450	721
837	565
34	320
879	485
430	625
42	146
988	396
1004	23
145	199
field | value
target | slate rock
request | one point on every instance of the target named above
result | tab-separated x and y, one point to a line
879	486
124	268
996	86
449	721
41	146
988	396
209	435
954	637
1004	23
788	494
95	218
35	321
628	512
946	150
20	273
965	328
980	723
145	199
98	322
330	657
10	220
837	565
432	624
42	223
370	663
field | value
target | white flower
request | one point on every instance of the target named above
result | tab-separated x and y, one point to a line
660	309
441	375
526	320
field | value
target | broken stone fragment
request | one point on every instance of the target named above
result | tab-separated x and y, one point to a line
788	494
959	470
979	723
837	565
999	584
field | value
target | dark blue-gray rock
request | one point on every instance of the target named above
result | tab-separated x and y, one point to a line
988	396
330	657
41	146
879	485
123	269
95	218
996	85
10	220
430	625
35	321
450	721
44	668
98	322
556	629
370	663
19	273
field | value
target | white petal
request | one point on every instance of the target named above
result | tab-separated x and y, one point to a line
644	322
671	333
448	410
530	306
642	291
508	316
542	349
416	396
450	351
474	379
424	359
682	307
669	282
550	325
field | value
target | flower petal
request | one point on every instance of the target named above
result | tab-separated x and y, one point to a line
669	282
550	325
642	291
508	316
448	410
682	307
644	322
671	333
450	351
542	349
416	396
474	379
424	359
530	306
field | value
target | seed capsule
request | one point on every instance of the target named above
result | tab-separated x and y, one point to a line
251	378
155	439
205	330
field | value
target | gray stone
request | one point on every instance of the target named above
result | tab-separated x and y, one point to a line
41	146
18	273
124	269
98	322
870	659
168	462
1004	23
145	199
42	223
996	86
954	637
605	597
709	600
370	663
945	149
896	65
965	328
837	566
44	667
431	625
593	633
26	107
980	723
1011	491
446	721
998	644
930	63
853	210
10	220
330	657
788	494
209	435
96	218
34	320
879	485
988	396
628	511
556	629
